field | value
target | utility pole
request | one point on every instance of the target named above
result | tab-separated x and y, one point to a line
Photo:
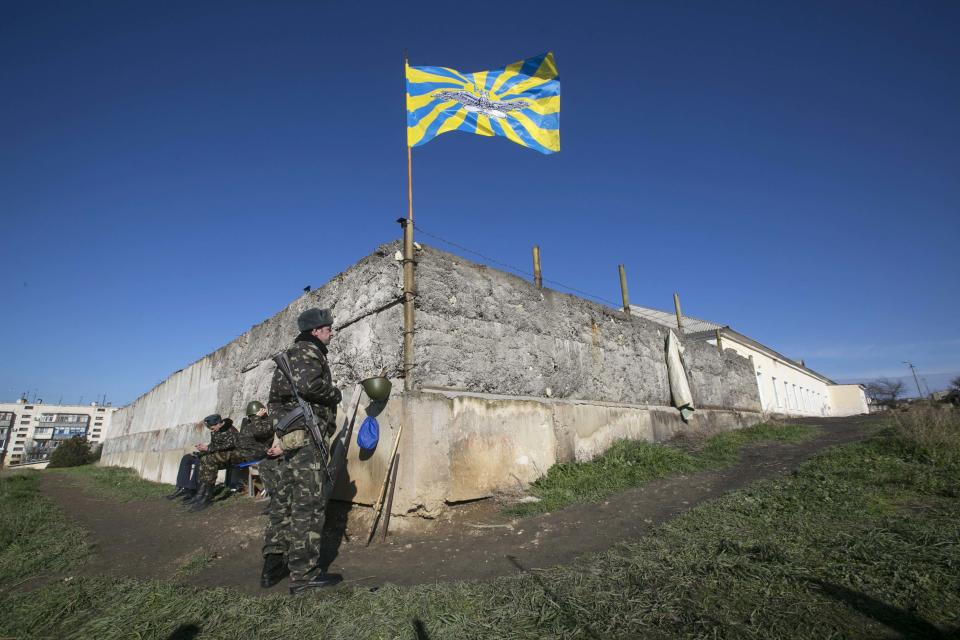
914	371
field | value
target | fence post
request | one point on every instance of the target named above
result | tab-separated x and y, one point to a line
676	306
537	276
623	290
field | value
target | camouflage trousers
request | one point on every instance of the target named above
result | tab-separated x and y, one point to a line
269	469
298	512
212	462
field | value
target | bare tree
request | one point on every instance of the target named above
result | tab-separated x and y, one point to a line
885	391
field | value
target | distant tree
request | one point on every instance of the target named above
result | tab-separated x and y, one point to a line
71	453
885	391
953	393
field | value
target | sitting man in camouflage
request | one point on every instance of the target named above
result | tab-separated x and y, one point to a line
227	447
293	537
258	427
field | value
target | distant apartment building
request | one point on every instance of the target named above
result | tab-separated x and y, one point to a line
785	386
30	431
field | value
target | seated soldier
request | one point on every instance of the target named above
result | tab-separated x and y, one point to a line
259	427
186	477
231	447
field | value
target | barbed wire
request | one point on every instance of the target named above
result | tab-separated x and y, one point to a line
515	269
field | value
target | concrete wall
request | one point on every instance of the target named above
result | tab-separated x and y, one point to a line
459	446
509	378
484	330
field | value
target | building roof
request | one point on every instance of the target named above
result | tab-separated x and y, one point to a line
697	329
669	319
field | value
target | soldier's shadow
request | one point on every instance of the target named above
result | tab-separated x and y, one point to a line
340	506
335	525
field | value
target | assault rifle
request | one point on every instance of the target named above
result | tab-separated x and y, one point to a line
304	411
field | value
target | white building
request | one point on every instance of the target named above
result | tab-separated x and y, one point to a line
786	386
29	431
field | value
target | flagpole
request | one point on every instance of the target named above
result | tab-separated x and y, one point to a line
408	295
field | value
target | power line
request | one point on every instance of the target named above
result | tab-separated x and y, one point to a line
514	269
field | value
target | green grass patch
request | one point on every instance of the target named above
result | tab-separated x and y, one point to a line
723	449
35	537
195	563
861	542
118	483
630	463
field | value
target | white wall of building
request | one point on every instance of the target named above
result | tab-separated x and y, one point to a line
790	389
37	422
848	400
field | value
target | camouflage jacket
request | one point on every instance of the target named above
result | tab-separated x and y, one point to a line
256	436
223	440
311	375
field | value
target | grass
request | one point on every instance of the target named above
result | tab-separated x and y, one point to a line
118	483
195	563
860	542
630	463
35	537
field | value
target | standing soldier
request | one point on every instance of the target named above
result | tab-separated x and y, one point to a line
293	538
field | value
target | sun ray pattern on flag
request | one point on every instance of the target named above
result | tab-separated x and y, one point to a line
520	102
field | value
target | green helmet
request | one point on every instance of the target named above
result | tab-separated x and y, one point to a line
253	407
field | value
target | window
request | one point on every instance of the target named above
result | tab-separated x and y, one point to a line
100	410
28	407
25	416
24	422
786	392
760	388
776	394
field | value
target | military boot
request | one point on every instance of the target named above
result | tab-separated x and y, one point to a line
204	498
178	493
319	581
274	570
193	496
188	495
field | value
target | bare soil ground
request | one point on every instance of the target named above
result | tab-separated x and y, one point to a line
157	538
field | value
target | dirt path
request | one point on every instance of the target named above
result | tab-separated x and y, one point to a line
152	539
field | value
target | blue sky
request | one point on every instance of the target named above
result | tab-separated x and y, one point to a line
173	173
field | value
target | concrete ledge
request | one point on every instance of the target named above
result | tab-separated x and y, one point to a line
457	446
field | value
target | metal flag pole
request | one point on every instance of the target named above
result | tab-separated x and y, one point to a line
408	294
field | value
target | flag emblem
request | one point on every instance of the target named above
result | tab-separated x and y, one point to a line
520	102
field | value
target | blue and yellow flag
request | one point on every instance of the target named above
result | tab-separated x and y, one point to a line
520	102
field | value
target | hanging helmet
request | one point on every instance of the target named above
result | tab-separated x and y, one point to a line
253	407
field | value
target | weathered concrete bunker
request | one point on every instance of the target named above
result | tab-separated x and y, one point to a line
509	379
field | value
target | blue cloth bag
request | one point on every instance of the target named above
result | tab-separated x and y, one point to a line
369	434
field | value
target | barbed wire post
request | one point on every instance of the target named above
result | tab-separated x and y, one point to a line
623	290
537	275
676	307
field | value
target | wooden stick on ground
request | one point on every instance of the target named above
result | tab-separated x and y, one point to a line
383	489
389	507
